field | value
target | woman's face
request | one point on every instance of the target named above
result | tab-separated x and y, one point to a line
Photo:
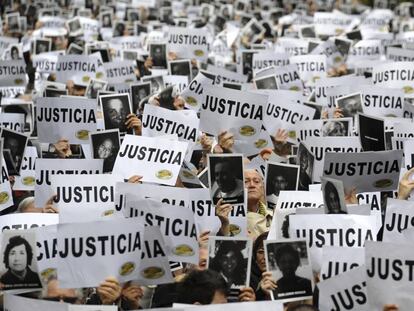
287	265
18	258
229	263
260	259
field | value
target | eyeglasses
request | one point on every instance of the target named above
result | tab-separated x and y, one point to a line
61	298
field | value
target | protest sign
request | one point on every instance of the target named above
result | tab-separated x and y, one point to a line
6	196
159	121
154	265
193	93
330	23
46	242
332	230
337	260
294	282
236	306
287	203
309	128
372	133
239	250
90	252
13	73
83	198
177	226
288	78
45	168
365	171
78	68
26	180
155	159
46	62
281	114
18	303
91	308
198	200
399	75
120	71
347	291
238	112
26	221
69	118
382	102
399	216
12	121
310	67
265	59
390	275
188	43
319	146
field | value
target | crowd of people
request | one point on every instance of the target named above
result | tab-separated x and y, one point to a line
246	40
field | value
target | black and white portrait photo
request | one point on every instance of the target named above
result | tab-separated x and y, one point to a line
105	145
75	27
138	92
115	109
337	127
280	177
305	159
266	83
252	31
158	53
106	19
333	196
226	178
307	32
14	52
53	92
129	55
371	133
94	86
247	62
140	28
350	104
119	29
157	83
291	269
24	108
42	45
14	143
343	45
75	49
231	257
180	68
13	22
19	258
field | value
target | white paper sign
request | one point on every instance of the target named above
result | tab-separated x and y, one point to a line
27	179
337	260
390	277
78	68
382	102
12	121
45	168
157	159
399	75
346	291
24	221
238	112
188	43
120	71
157	121
89	252
398	217
18	303
13	73
66	117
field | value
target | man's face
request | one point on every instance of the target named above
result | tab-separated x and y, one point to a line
18	258
260	259
254	184
224	176
105	149
229	263
279	184
116	112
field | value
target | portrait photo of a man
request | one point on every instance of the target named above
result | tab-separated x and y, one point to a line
115	109
226	178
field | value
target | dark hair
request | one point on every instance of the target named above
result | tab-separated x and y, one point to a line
200	286
17	241
330	187
287	249
259	242
224	248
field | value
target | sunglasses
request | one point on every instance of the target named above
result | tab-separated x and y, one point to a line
64	299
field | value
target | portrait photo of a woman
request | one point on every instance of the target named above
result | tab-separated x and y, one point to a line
230	261
17	258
